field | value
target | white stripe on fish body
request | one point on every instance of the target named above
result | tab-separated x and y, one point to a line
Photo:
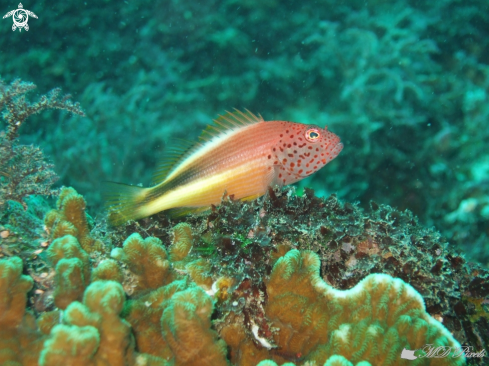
202	151
228	150
207	147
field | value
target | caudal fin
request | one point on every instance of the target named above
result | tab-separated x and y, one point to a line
124	202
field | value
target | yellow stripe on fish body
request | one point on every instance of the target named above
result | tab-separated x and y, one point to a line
240	154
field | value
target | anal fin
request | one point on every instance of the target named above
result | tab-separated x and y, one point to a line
252	197
184	211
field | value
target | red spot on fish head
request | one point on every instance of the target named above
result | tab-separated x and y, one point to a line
304	149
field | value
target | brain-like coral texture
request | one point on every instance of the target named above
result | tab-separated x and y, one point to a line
373	321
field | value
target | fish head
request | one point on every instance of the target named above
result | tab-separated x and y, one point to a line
302	150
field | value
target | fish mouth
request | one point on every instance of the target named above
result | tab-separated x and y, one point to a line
335	151
337	148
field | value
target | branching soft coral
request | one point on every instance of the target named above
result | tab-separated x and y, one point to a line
23	169
18	109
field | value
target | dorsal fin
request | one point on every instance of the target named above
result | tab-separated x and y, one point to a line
175	155
227	122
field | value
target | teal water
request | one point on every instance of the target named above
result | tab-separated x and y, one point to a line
404	83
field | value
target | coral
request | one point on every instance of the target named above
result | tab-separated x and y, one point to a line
150	262
13	292
243	349
351	244
70	345
182	242
70	219
12	97
103	301
199	271
186	326
92	332
70	282
371	322
98	335
335	360
72	270
172	321
253	294
306	321
108	270
144	315
147	259
48	320
271	363
19	344
24	171
94	328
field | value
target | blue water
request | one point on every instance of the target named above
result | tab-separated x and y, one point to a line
403	83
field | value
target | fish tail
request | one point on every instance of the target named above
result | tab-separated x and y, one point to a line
124	202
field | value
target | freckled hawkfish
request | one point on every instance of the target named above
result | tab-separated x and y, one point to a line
240	154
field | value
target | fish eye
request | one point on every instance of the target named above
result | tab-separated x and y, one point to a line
313	134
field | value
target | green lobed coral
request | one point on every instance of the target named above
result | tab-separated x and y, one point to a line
147	259
72	267
98	334
18	342
93	333
70	218
373	321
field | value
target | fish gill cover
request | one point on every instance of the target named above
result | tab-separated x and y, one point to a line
403	83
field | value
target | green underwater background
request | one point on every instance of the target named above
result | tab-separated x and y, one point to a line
405	84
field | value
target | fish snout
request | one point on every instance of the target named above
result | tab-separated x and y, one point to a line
337	149
333	150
